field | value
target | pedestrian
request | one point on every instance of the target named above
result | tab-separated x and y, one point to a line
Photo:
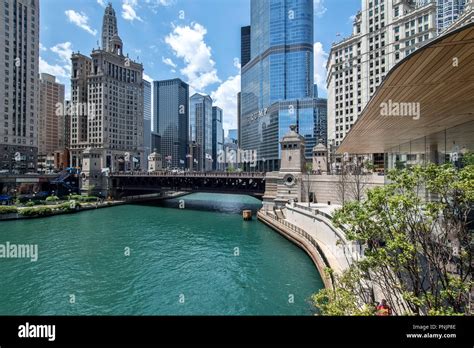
383	309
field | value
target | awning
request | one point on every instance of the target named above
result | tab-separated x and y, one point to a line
439	77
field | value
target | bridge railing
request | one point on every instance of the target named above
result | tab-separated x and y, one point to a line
192	175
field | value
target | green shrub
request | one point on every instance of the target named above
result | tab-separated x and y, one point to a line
83	198
66	207
41	211
8	210
30	204
89	199
52	199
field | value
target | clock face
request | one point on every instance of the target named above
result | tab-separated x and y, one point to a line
289	180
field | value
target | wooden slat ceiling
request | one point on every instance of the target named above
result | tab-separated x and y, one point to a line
428	77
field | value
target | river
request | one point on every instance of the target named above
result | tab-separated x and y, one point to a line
156	259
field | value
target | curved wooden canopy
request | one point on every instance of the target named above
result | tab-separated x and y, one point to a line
438	76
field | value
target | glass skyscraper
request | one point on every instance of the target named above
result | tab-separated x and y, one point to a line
245	45
277	83
320	125
233	134
217	138
448	12
200	131
170	103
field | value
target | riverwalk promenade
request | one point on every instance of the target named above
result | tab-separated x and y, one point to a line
311	228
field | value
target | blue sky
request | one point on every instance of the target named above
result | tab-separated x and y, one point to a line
195	40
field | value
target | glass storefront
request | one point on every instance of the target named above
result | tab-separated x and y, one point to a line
447	146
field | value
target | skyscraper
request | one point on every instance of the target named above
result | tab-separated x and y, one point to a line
217	138
200	131
319	131
245	45
107	109
147	119
109	28
448	12
239	116
19	61
233	134
277	83
51	125
171	110
466	17
384	32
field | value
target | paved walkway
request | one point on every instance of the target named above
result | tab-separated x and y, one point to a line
330	242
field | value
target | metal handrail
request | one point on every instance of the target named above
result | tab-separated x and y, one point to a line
304	234
191	175
327	216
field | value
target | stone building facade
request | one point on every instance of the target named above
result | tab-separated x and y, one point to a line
107	122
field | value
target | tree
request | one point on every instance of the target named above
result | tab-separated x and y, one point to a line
344	297
342	182
358	180
468	159
52	199
418	251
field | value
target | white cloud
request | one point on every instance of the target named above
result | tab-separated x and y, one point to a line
163	2
61	70
168	61
148	78
319	8
155	4
129	12
56	70
320	60
187	43
63	50
101	2
80	19
225	97
42	48
62	74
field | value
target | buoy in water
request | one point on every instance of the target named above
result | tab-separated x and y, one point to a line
247	215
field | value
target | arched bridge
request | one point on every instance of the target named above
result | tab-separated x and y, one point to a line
128	184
